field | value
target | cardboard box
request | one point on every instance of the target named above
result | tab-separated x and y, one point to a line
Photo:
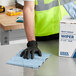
67	37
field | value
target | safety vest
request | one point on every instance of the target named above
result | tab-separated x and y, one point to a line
48	14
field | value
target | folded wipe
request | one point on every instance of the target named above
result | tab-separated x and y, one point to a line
31	63
20	19
71	9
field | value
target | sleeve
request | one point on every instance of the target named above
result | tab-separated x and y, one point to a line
62	2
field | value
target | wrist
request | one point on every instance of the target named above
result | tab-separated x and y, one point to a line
32	43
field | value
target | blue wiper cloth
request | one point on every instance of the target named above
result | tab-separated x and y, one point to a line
31	63
71	9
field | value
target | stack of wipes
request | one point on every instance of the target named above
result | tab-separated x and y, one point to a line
71	9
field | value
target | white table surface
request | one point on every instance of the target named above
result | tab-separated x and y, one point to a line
54	66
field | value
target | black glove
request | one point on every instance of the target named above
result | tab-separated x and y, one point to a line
32	48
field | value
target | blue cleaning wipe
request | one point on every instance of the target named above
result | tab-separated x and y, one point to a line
31	63
71	9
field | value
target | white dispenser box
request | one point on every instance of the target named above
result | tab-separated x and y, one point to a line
67	37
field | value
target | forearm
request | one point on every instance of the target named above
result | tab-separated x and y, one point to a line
29	23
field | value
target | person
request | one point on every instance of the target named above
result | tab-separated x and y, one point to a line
46	17
29	26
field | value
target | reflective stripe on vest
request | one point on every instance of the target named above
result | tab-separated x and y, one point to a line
41	6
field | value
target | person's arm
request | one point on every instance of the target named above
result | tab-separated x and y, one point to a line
29	25
29	21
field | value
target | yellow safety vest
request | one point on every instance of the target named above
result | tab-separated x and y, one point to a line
48	14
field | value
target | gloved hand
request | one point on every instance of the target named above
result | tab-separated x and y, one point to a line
32	48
